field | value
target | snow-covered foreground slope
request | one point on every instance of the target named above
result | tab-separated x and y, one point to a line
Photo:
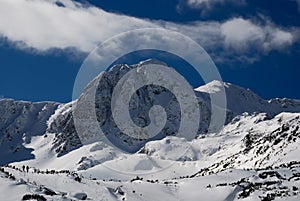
280	183
251	158
255	156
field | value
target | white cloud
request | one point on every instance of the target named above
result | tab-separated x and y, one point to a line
42	25
239	33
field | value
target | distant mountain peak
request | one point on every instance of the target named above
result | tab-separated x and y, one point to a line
212	87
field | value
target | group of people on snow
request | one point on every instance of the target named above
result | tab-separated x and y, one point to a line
23	168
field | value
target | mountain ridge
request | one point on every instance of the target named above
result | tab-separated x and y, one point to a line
60	120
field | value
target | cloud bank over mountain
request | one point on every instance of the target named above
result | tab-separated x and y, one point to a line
43	25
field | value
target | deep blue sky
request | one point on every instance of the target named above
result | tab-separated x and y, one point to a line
25	75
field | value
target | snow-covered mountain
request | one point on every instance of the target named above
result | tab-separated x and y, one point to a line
255	156
239	100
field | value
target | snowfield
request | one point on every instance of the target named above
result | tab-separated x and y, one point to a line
255	156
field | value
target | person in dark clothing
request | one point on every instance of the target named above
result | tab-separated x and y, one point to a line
27	168
23	168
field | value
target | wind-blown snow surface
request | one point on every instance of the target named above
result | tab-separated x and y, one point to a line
255	156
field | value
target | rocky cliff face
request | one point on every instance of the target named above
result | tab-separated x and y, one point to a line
239	100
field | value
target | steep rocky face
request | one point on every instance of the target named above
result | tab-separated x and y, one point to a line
19	122
140	104
239	100
61	123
